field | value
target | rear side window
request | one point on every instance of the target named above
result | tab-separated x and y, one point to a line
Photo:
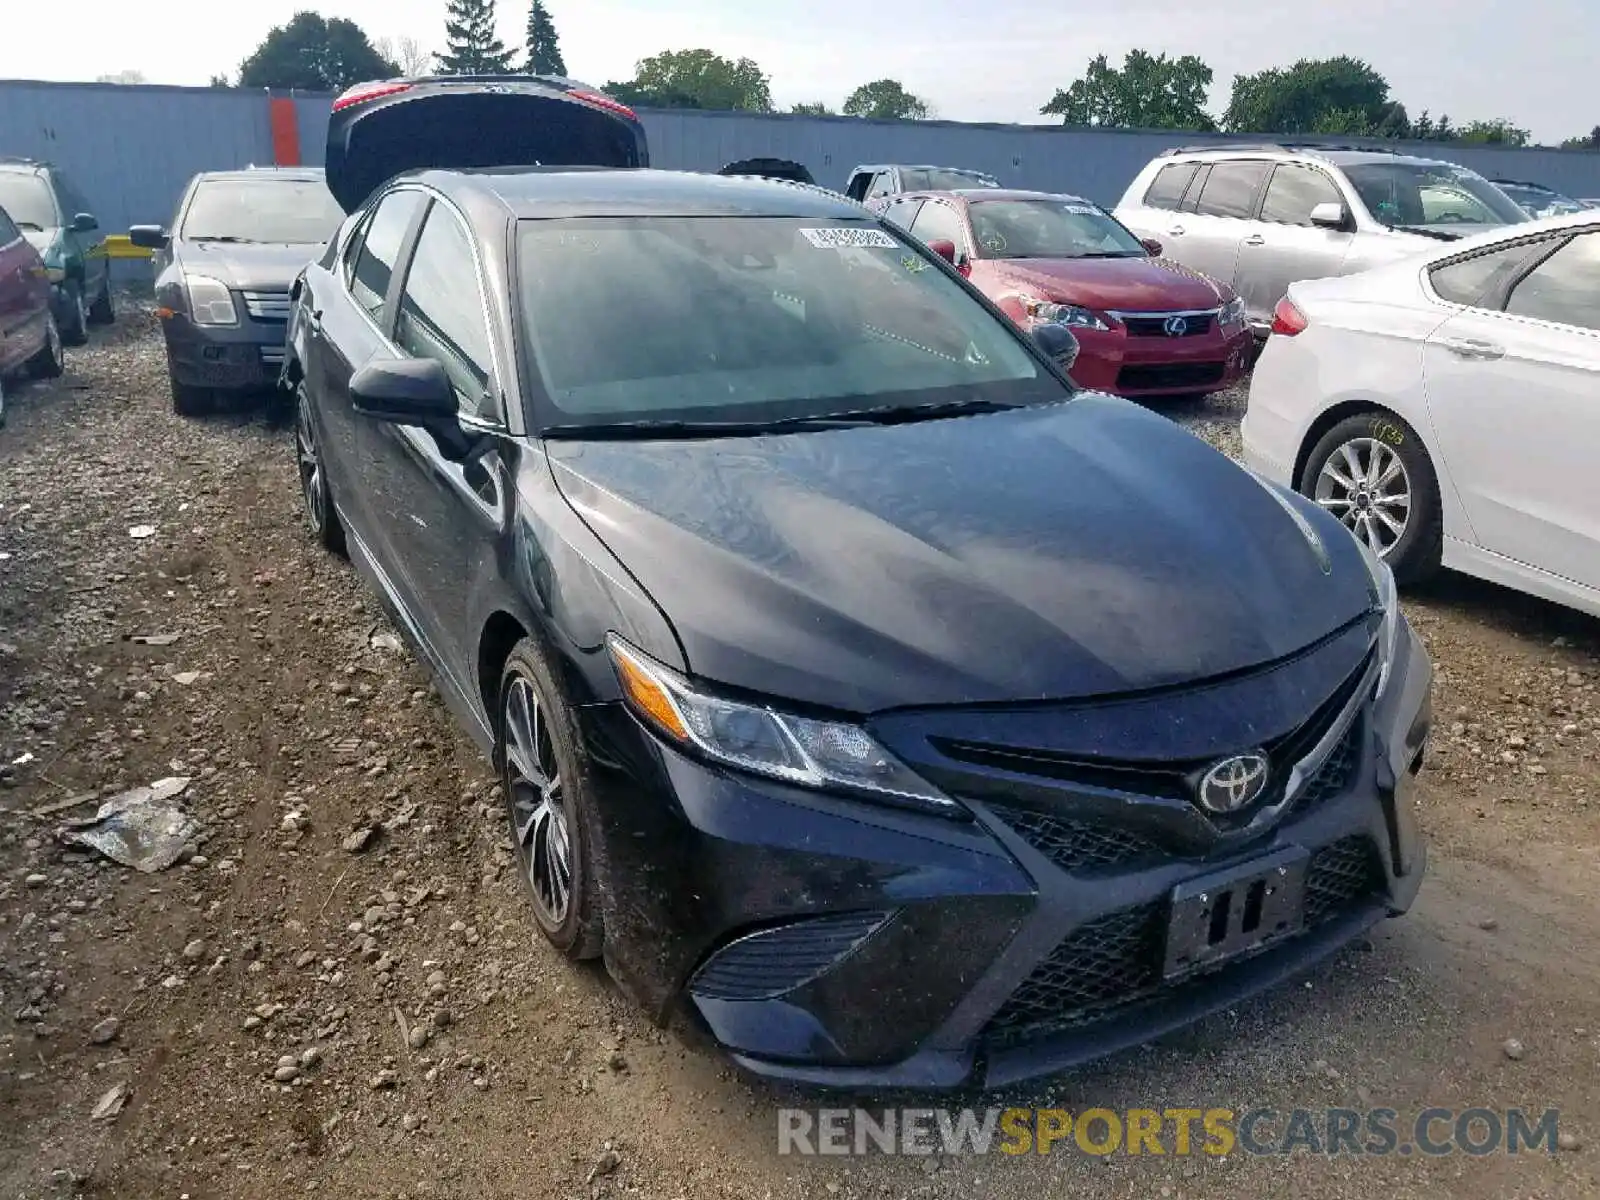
1294	191
1167	189
380	247
1470	280
1230	189
1565	287
441	310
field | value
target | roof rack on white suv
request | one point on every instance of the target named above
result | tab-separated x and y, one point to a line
1262	215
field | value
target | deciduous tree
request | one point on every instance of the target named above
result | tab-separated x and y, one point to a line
1146	92
1312	94
315	55
886	100
696	79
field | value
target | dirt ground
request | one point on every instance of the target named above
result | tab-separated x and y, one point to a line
290	1015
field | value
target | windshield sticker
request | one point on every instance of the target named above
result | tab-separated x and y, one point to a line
835	238
1082	210
913	264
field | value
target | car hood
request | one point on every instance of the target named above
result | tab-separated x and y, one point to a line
1076	549
250	266
1115	284
40	239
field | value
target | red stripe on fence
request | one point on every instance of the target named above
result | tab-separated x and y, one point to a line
285	132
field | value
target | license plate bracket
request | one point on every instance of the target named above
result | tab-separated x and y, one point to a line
1236	911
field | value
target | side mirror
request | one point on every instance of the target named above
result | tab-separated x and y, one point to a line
148	237
1330	215
1058	343
945	249
404	391
84	223
1151	247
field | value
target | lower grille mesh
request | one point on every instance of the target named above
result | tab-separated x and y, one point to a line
774	961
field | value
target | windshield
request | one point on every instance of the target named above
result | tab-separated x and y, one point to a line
287	211
1050	229
751	319
1411	193
941	179
27	201
1537	202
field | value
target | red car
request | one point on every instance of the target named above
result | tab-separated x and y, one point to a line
1145	326
29	340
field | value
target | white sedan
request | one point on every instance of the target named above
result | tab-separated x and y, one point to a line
1447	408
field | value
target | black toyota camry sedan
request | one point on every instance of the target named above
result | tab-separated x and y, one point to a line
860	687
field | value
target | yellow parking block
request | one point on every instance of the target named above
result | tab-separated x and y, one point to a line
118	246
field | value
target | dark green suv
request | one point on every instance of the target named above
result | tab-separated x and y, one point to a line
55	217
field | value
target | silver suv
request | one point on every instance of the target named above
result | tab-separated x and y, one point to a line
1261	217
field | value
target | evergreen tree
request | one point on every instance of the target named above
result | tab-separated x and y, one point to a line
471	47
544	43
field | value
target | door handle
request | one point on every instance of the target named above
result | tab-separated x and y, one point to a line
314	320
1255	239
1474	348
1175	231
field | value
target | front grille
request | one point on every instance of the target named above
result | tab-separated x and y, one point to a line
1075	845
1337	771
1116	960
1341	875
272	356
1155	325
773	961
267	306
1149	376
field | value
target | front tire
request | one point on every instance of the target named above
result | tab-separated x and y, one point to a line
103	311
190	401
1373	473
541	774
320	513
51	360
76	330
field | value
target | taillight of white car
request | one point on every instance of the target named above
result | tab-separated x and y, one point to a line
1287	318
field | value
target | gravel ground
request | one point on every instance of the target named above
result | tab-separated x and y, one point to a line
339	989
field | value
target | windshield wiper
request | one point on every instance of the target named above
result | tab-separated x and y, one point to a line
29	225
620	430
895	414
222	237
1437	234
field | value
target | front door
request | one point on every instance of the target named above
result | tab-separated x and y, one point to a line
1217	217
17	287
1284	247
446	515
1514	391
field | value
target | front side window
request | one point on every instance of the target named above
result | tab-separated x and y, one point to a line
938	221
1471	281
1294	191
1565	287
441	310
8	230
882	185
380	247
1401	194
296	212
902	212
752	319
1166	190
1050	229
1230	189
27	199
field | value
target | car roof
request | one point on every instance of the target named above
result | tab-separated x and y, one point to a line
902	166
1336	155
30	165
300	174
984	195
547	192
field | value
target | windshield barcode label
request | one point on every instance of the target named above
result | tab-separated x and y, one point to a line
846	239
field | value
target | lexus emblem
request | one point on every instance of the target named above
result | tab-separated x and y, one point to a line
1234	783
1176	326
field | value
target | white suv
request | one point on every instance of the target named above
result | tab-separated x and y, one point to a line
1260	217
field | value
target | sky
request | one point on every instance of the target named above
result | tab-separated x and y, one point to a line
995	60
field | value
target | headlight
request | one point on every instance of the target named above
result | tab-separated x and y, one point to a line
1232	312
829	755
210	301
1387	597
1062	314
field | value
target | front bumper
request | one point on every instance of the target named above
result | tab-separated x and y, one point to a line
1126	364
834	943
243	357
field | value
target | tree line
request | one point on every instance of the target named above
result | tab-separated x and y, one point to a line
1340	96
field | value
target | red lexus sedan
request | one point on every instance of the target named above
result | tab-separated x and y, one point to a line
29	340
1145	326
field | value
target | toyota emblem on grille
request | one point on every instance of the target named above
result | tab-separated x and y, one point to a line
1234	783
1176	326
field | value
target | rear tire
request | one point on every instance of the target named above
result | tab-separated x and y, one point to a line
188	401
51	360
103	311
1373	473
2	401
76	330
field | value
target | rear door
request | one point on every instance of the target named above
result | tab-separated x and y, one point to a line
1218	214
1513	383
1285	247
17	286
